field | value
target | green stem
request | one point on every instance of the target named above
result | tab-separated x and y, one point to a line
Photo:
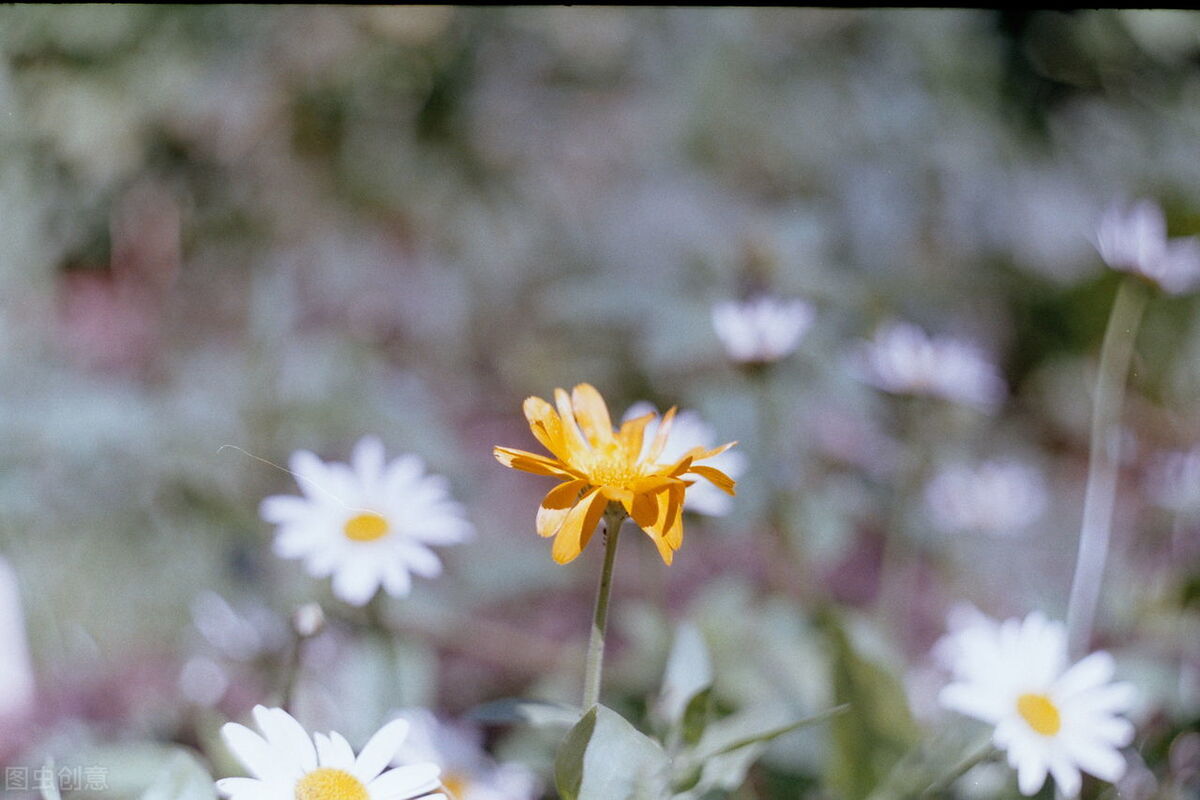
786	569
613	518
291	672
975	757
1103	461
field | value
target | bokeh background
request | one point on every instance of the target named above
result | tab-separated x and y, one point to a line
284	228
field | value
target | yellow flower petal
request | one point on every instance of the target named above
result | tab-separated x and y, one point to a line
532	462
643	510
699	453
632	435
578	527
592	414
660	438
664	550
549	520
573	440
716	477
546	426
557	504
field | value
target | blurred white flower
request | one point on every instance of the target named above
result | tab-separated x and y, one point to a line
367	524
1135	240
1173	480
997	497
286	764
244	634
689	431
902	359
203	681
468	772
16	668
308	620
1050	719
761	330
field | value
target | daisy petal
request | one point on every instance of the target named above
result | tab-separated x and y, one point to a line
251	749
402	783
231	787
284	733
380	749
1092	671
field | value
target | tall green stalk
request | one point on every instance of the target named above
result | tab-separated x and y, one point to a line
1103	461
613	518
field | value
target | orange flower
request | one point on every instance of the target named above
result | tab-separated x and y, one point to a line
599	466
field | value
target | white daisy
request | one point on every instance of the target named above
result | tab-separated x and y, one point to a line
367	524
468	772
1135	240
996	497
689	431
902	359
1050	719
288	765
761	330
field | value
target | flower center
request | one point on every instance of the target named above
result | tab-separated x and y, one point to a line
365	527
330	784
456	785
1040	712
610	467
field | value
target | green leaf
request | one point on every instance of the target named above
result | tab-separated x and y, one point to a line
689	672
721	748
877	731
182	777
606	758
729	747
513	710
695	716
151	772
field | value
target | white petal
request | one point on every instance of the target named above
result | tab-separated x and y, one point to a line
972	701
355	581
1114	698
1066	776
339	752
380	750
343	753
285	734
251	749
1089	673
1031	772
404	782
369	461
325	752
396	580
312	475
281	509
1097	759
295	541
421	560
239	788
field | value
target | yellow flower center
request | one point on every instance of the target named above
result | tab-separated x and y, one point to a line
456	785
611	467
365	527
330	784
1040	712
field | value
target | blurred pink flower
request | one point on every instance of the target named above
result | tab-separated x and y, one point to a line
1135	240
903	359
